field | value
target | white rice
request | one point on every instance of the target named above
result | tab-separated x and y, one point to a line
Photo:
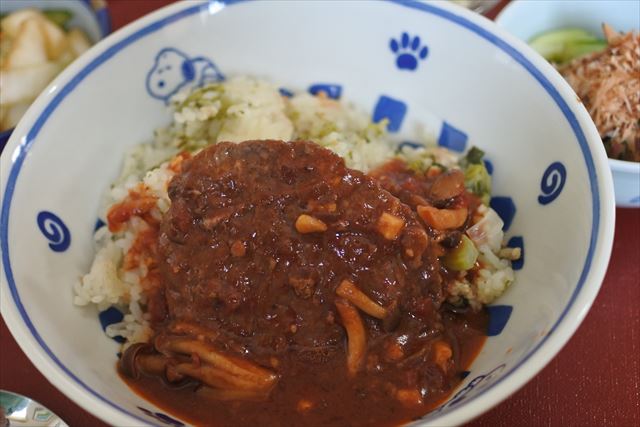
238	110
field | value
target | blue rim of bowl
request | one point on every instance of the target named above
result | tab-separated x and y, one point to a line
101	13
487	35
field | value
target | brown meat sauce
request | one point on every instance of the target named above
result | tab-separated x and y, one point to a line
297	291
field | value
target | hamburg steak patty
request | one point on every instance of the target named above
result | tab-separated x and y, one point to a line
262	235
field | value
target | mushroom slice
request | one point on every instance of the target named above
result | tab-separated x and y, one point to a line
356	338
141	357
355	296
216	368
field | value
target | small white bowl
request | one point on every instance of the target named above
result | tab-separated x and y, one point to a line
526	19
91	16
476	86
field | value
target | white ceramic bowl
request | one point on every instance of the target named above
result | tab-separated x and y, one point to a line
526	19
92	17
552	183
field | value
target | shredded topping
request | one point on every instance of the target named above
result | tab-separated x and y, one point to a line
608	82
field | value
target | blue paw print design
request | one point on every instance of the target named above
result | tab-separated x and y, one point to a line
408	51
173	71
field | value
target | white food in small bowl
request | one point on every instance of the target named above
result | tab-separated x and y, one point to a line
58	31
34	50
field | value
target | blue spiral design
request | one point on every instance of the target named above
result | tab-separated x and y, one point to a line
552	183
54	230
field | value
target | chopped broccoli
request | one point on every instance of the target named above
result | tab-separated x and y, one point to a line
462	257
478	181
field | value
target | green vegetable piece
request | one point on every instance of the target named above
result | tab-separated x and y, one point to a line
462	257
555	38
561	46
478	181
474	156
577	50
58	16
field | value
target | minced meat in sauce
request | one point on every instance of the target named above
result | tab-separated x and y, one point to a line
297	291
